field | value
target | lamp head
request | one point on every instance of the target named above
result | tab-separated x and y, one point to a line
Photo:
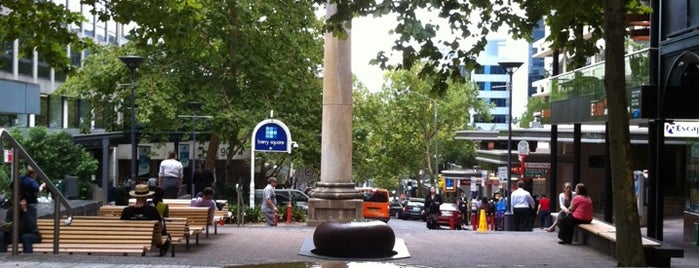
132	61
510	66
195	106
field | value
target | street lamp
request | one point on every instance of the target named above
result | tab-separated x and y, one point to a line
510	67
436	134
133	62
195	107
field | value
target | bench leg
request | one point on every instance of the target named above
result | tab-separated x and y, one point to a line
197	238
173	249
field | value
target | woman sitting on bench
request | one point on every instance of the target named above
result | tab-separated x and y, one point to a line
580	211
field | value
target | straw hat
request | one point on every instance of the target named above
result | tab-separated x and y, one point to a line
141	190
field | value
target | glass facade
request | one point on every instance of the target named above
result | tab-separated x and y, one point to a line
692	179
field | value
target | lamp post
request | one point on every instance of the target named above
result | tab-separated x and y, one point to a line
510	67
133	62
436	135
195	107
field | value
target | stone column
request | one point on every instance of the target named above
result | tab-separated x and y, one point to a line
335	198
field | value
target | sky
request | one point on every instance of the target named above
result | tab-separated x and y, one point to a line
370	35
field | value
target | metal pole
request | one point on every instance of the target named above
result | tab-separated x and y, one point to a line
509	144
133	127
194	152
436	142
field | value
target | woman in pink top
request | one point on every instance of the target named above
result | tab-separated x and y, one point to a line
580	212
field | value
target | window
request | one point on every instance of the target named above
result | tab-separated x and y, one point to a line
498	86
55	111
499	102
499	118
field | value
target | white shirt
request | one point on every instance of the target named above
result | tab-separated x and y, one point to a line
522	199
171	168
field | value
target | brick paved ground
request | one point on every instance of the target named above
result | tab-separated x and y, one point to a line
428	248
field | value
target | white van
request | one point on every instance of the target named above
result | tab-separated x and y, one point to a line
297	197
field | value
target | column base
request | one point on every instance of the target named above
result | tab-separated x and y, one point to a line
322	210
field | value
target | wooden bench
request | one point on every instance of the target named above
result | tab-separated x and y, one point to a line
105	236
602	237
176	229
196	218
219	215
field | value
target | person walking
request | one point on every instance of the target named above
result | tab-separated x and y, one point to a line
432	202
579	212
30	190
170	176
544	211
203	177
522	204
269	200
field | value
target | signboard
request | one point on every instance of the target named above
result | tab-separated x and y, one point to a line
7	156
143	160
502	173
272	136
682	129
269	135
523	148
184	154
449	185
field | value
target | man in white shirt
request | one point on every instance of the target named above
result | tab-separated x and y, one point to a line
522	203
269	200
170	176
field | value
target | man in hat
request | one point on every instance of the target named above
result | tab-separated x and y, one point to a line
140	210
269	200
30	190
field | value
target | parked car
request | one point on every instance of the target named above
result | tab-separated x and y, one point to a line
396	207
376	204
447	211
413	211
297	197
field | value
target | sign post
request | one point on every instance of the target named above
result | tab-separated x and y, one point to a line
270	135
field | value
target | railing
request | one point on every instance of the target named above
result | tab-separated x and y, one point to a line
589	80
18	152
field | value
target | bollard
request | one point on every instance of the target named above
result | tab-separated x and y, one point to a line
288	212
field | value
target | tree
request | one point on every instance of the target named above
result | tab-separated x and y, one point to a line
56	155
40	25
394	131
242	59
569	21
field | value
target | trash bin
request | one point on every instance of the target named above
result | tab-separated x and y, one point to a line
70	187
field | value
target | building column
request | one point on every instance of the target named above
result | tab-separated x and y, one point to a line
335	197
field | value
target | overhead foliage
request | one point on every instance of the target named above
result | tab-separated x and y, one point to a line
241	59
395	133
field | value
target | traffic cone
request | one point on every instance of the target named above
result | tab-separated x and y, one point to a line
482	222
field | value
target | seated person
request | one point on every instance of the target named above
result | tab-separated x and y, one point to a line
206	200
28	230
141	211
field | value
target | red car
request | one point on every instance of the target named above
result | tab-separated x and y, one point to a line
450	216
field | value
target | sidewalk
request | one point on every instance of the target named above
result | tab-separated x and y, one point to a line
256	244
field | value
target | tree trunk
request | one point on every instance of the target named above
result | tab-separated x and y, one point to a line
629	249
